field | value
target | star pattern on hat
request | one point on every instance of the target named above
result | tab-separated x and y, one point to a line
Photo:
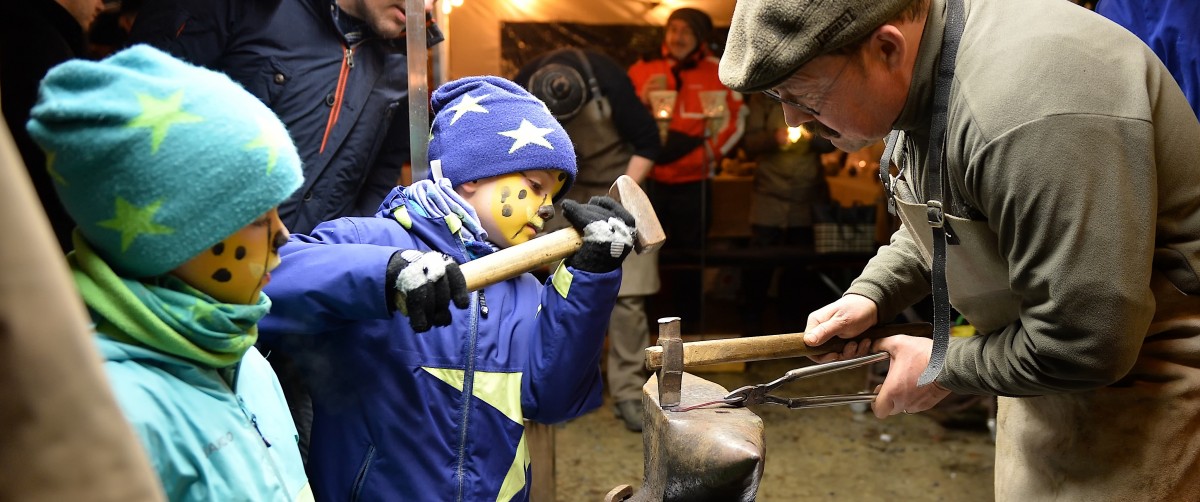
132	221
271	138
469	103
528	134
159	115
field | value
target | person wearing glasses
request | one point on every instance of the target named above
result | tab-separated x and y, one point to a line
1048	191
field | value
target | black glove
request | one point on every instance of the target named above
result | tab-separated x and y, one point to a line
607	230
425	284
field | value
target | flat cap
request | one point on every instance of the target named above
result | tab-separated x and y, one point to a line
770	39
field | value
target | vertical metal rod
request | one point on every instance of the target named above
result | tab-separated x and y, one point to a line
418	88
670	376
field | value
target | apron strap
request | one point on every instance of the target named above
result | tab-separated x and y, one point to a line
935	181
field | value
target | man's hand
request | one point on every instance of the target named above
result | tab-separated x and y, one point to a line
899	392
607	230
847	317
426	283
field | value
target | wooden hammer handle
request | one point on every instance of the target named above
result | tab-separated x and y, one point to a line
758	348
516	260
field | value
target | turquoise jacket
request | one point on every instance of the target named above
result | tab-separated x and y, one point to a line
210	440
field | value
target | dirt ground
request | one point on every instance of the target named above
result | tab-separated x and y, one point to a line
830	454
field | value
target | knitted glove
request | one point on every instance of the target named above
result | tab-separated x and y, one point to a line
426	283
607	230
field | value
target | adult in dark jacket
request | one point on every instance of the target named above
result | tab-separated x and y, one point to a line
36	35
414	400
592	97
334	71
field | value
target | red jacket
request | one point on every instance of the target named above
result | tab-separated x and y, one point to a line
688	116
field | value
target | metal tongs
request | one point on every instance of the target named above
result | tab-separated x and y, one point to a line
759	394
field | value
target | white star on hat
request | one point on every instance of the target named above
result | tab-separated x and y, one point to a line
469	103
526	134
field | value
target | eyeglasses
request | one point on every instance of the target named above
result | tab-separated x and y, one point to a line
774	95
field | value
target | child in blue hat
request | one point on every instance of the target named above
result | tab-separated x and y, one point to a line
413	400
173	174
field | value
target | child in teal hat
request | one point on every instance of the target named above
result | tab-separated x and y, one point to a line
173	174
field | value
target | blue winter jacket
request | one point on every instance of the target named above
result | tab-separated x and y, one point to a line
344	100
438	415
209	439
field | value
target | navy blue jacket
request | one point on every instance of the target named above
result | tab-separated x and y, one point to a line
344	102
438	415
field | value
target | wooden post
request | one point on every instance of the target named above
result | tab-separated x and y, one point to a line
539	438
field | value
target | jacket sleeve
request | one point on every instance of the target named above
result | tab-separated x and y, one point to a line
193	30
331	277
731	131
631	118
562	373
1076	225
895	278
385	171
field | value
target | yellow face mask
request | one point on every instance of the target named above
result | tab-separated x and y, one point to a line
514	207
236	269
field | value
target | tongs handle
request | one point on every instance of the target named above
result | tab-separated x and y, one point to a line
796	403
823	368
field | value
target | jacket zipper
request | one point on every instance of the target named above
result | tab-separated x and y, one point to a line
468	394
254	421
339	92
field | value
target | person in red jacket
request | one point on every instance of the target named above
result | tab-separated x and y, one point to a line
705	122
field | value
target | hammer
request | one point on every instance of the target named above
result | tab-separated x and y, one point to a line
757	348
549	248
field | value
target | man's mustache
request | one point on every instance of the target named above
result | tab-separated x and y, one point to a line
819	129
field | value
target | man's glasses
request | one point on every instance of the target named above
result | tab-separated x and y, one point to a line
774	95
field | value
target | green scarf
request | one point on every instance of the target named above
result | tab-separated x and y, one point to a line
164	313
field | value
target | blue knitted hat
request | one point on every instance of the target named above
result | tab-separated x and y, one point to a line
157	159
488	126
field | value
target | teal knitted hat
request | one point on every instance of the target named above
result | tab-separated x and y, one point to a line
157	159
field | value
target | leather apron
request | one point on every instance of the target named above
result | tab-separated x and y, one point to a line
1135	440
603	156
1138	439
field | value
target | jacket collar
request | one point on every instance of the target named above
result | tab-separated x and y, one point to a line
915	116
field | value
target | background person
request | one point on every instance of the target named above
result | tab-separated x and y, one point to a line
36	35
613	134
680	192
788	181
335	72
1082	284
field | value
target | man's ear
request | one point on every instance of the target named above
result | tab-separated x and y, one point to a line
890	44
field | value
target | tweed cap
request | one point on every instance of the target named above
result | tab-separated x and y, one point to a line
770	39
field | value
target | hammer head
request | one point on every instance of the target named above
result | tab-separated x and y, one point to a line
649	235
